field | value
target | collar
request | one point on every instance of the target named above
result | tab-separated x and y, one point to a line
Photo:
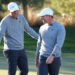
52	23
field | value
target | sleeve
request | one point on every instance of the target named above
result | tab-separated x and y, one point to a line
2	29
59	41
38	45
29	30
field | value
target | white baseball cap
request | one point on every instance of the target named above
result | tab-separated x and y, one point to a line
46	11
12	6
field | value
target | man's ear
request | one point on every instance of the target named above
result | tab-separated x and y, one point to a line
9	11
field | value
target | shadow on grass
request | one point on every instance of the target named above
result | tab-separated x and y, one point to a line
67	68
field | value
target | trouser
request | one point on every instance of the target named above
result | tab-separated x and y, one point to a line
17	58
51	69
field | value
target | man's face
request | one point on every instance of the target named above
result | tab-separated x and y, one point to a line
46	18
14	14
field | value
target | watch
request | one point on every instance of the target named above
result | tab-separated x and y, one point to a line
53	54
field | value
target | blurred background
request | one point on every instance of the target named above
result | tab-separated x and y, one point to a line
64	12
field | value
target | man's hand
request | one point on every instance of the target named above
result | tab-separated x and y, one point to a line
50	59
36	61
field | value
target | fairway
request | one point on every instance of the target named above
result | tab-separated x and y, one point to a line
68	55
67	68
5	72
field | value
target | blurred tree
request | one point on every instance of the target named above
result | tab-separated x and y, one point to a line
0	6
25	3
63	6
31	3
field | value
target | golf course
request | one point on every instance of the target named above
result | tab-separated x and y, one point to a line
68	54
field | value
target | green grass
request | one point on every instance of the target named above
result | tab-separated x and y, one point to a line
68	54
69	44
67	68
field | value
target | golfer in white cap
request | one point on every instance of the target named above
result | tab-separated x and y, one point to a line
12	27
50	42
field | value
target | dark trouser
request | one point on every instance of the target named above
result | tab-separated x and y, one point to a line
52	69
17	58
